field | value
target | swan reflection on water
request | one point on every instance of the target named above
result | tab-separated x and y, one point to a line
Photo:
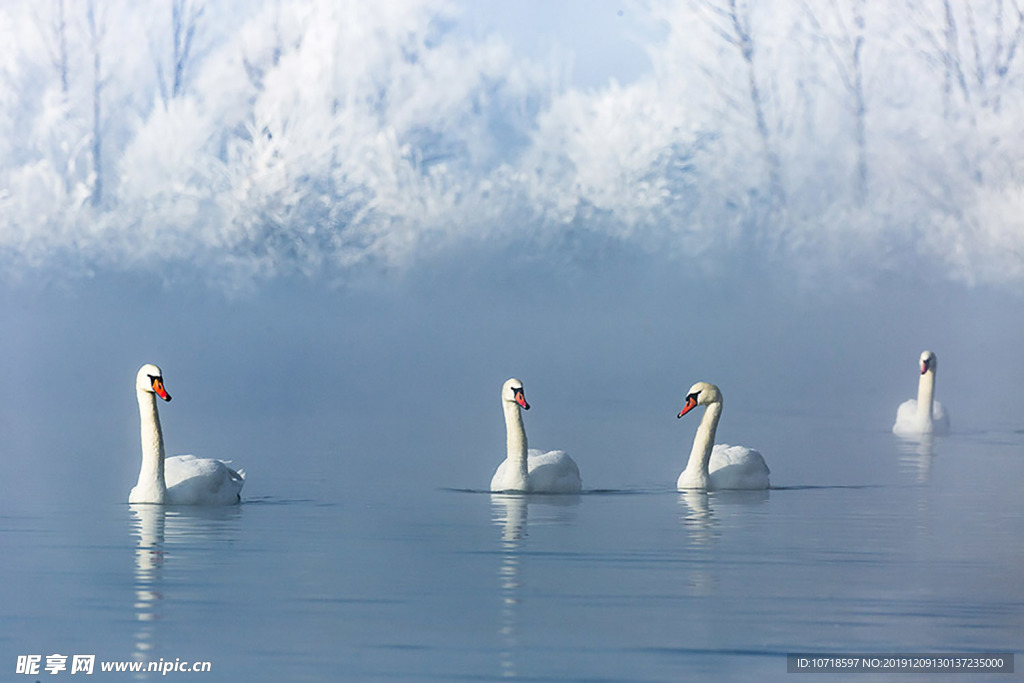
697	510
148	526
700	515
155	528
510	512
916	455
697	517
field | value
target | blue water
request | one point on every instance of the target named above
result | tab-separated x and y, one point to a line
368	423
868	544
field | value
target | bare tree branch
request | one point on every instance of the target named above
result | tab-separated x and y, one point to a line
185	17
96	31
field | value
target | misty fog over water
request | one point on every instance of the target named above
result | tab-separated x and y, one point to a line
396	383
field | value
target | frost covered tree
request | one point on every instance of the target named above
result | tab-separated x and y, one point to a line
843	35
731	21
56	32
316	134
96	33
185	18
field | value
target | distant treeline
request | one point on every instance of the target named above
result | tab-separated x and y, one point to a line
257	138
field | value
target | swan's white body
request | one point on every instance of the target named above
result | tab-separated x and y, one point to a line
182	479
715	467
923	415
529	470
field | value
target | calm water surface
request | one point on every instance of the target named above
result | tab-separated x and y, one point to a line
866	544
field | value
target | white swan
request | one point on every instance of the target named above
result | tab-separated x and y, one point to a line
183	479
923	415
529	470
718	466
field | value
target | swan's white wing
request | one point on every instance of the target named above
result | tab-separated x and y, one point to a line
908	423
547	472
906	418
553	472
202	481
737	467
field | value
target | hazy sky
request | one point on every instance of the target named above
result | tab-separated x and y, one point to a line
600	40
357	220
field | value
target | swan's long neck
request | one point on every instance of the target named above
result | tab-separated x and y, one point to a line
515	440
703	442
926	395
151	476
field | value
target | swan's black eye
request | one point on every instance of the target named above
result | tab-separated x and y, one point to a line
692	396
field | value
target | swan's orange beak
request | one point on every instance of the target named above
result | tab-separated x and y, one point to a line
521	400
691	403
924	367
158	387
